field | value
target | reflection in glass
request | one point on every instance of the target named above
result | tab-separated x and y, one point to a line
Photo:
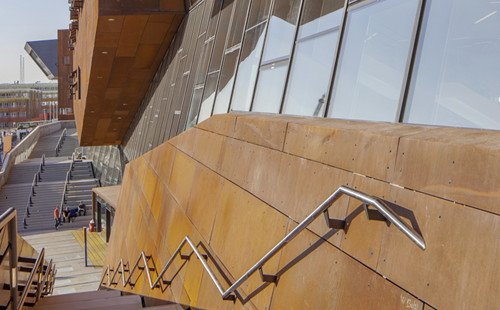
226	83
281	30
310	75
238	25
194	108
247	70
208	97
214	18
202	69
269	90
259	11
220	38
456	79
373	60
318	17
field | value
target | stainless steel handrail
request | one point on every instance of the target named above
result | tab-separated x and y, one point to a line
60	142
68	175
37	270
379	204
36	178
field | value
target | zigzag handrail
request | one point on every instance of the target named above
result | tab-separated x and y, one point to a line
367	200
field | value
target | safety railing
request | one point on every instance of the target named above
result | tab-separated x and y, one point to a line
381	212
36	178
60	142
44	275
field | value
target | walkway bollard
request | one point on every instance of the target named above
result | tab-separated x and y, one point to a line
85	242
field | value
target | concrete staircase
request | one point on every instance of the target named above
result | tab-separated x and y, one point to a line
98	300
49	191
79	188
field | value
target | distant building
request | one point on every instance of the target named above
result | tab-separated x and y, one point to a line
27	102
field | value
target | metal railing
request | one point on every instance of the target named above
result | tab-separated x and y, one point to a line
45	275
60	142
381	212
36	178
66	182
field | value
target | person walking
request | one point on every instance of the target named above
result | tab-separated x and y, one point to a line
57	217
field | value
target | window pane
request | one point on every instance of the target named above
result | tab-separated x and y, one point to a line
239	15
373	60
281	30
220	38
194	108
208	97
269	90
320	15
226	82
456	80
258	12
310	75
247	70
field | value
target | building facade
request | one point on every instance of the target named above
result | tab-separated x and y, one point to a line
27	102
239	117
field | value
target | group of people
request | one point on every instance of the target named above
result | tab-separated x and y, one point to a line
68	214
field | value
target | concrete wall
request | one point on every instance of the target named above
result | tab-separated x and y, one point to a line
239	183
24	148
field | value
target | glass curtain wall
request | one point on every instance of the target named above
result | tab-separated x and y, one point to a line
415	61
456	80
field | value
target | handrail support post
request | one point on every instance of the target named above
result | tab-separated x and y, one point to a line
13	263
267	277
375	215
334	223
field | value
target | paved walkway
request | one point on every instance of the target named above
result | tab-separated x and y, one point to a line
68	255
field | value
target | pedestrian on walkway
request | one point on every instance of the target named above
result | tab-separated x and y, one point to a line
57	217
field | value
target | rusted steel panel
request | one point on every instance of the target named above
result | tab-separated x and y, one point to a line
459	164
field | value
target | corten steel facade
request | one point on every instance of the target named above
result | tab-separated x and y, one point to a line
396	63
27	102
65	75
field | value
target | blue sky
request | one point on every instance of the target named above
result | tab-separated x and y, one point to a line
27	20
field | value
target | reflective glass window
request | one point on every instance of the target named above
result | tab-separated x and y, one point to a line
373	60
214	18
226	82
208	97
238	24
194	108
220	38
269	90
247	70
281	30
275	58
456	78
259	11
313	59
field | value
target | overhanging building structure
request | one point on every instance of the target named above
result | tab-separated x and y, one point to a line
239	118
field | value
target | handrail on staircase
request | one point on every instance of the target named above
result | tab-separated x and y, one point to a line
36	178
60	142
9	219
38	272
380	207
68	175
